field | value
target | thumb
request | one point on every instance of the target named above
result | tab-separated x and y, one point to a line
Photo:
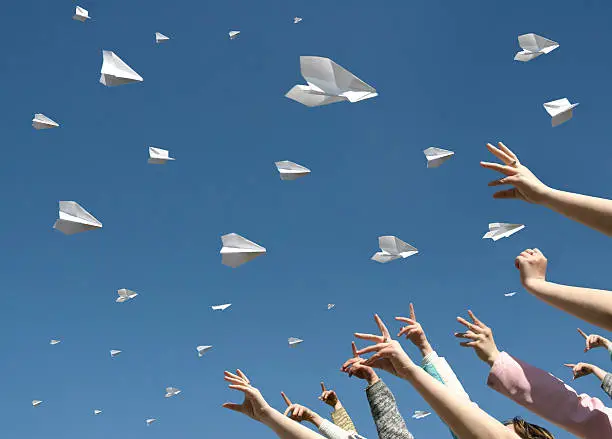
232	406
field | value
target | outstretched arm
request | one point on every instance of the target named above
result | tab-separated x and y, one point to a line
590	305
340	416
591	211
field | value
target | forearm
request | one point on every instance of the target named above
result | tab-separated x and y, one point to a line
341	418
591	211
388	420
599	373
593	306
286	428
425	349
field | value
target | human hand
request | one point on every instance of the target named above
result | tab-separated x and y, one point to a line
254	405
527	187
329	397
389	355
482	339
582	369
532	266
354	367
414	332
594	341
300	413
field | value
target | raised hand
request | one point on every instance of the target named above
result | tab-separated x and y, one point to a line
354	367
299	412
388	353
582	369
254	405
329	397
532	264
481	337
414	332
527	187
594	341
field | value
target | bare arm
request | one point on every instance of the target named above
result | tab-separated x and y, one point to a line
286	428
593	212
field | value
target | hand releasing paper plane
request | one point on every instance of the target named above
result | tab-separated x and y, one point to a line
54	342
160	38
81	14
42	122
502	230
233	34
561	111
125	295
150	421
158	156
437	156
114	353
97	412
293	342
74	219
291	171
328	83
510	294
420	414
237	250
115	72
36	403
171	391
330	306
296	20
221	307
392	248
533	46
202	349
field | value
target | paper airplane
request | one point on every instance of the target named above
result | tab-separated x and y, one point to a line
36	403
74	219
221	307
296	20
160	38
420	414
81	14
533	46
510	294
328	83
392	248
42	122
171	391
502	230
150	421
158	156
114	353
233	34
115	72
437	156
237	250
202	349
291	171
293	342
125	295
97	412
561	111
330	306
54	342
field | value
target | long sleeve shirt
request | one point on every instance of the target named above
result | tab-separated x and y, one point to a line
388	420
332	431
342	419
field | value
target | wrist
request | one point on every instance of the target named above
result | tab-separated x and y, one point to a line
372	379
337	405
425	349
534	284
492	358
316	420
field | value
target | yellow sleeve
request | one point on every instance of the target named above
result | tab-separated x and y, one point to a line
343	420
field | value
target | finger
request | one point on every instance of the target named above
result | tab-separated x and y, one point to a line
508	193
500	154
469	325
371	362
236	381
383	329
300	412
287	400
468	344
468	334
350	362
507	150
406	330
537	251
244	377
231	375
373	348
354	348
232	406
245	389
288	410
581	332
475	319
505	180
412	314
323	389
506	170
571	366
406	320
371	337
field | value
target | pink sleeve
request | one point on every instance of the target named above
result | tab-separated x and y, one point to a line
548	397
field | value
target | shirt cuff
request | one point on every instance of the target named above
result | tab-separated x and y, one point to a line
429	358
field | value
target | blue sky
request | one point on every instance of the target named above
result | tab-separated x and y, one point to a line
446	78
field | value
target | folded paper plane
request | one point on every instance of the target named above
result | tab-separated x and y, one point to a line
171	391
392	248
74	219
42	122
202	349
54	342
533	46
328	83
158	156
115	72
510	294
221	307
293	342
291	171
160	38
150	421
233	34
114	353
97	412
561	111
296	20
237	250
125	295
420	414
81	14
437	156
502	230
330	306
36	403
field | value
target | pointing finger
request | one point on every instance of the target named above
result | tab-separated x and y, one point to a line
287	401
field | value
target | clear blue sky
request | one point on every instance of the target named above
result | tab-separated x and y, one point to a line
446	78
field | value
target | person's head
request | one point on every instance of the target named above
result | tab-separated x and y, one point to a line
525	430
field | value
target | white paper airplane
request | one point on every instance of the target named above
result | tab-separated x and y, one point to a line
42	122
160	38
36	403
561	111
502	230
81	14
158	156
125	295
233	34
392	248
114	353
237	250
202	349
328	83
437	156
420	414
74	219
97	412
293	342
291	171
54	342
171	391
330	306
150	421
221	307
115	72
533	46
510	294
296	20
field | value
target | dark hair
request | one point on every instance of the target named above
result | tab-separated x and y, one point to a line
528	431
